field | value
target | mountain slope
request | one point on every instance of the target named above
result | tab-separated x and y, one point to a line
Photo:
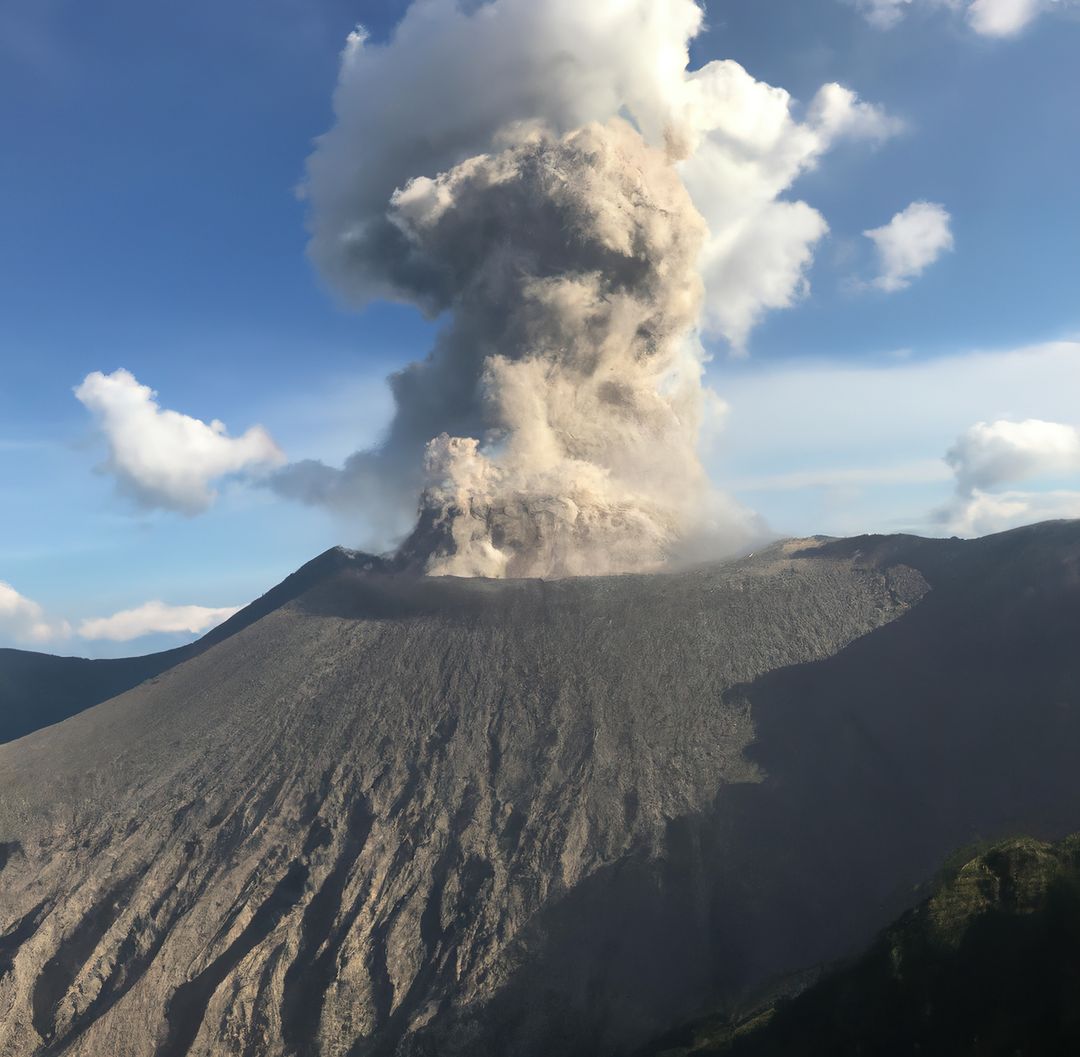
988	965
38	689
403	815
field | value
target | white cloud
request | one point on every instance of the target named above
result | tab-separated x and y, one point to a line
990	455
25	621
988	18
751	150
1002	18
565	63
906	246
984	512
163	458
154	617
874	461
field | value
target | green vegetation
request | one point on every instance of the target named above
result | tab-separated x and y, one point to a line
988	965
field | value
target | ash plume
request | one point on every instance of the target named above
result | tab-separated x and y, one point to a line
521	169
555	423
573	266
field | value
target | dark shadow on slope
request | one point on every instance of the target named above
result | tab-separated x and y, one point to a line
313	970
359	595
958	721
1010	987
59	972
439	939
187	1007
18	934
989	966
8	850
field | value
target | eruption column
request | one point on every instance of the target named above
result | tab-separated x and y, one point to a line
572	265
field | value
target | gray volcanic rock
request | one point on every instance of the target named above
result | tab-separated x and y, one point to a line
416	816
38	689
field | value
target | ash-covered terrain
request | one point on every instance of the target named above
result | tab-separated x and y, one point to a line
38	689
395	814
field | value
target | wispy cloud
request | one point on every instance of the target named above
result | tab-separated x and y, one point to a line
883	13
25	622
988	18
154	617
990	454
841	446
915	471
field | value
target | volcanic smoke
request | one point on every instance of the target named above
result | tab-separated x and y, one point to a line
520	169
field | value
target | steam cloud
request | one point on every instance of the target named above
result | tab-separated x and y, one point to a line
523	166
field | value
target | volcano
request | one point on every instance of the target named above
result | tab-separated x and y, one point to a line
379	813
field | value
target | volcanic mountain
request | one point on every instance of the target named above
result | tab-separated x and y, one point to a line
395	814
38	689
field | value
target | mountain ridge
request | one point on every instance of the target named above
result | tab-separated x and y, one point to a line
40	689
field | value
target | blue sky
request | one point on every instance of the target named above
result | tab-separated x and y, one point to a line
152	223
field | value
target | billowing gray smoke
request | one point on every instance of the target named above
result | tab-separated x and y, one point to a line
484	166
570	267
556	420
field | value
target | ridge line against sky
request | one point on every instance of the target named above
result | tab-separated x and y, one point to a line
948	229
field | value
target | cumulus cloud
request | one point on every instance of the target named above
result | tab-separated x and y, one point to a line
989	18
564	65
154	617
580	204
162	458
750	150
25	621
906	246
989	456
984	512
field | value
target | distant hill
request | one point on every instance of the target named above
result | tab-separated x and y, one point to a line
987	966
38	689
395	815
